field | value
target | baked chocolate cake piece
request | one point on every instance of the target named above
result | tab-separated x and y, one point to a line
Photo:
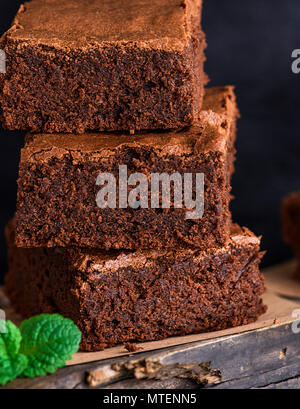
290	214
103	65
57	186
116	297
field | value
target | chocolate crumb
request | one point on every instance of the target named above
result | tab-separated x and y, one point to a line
130	347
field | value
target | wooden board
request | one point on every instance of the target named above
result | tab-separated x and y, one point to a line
264	354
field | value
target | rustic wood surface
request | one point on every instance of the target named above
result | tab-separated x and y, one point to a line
267	358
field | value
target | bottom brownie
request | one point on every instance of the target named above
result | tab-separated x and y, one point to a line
118	296
290	215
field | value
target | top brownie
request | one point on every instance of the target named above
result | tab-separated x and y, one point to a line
77	190
77	65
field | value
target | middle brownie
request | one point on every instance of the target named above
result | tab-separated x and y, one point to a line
57	187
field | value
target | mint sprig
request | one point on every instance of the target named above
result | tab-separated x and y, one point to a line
48	341
12	363
42	345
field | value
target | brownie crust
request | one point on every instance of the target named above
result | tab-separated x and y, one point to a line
147	295
106	65
57	185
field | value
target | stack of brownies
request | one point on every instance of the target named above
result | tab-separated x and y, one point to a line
106	85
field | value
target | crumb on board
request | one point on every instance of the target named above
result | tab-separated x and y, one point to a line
130	347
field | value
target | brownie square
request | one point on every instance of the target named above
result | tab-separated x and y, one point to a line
121	296
290	215
103	65
57	186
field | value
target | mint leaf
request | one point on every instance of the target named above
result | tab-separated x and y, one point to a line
48	341
12	364
2	325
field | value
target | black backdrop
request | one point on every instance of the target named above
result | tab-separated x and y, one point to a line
249	45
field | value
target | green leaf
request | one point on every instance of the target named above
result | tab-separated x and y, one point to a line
2	325
48	341
12	363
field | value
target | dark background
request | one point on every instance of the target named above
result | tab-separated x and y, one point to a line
249	45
